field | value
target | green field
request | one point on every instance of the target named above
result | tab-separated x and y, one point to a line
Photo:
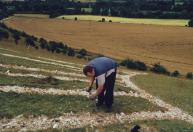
171	22
13	104
178	92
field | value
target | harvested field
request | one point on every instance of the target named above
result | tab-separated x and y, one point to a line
172	46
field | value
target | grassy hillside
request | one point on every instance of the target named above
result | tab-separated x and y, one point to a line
169	45
178	92
30	103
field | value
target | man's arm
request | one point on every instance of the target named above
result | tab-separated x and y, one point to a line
91	83
101	82
99	90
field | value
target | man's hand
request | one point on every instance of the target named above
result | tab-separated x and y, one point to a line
92	96
89	89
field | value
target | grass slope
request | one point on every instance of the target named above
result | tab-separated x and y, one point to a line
175	91
41	83
13	104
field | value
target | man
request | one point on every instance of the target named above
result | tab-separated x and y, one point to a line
102	69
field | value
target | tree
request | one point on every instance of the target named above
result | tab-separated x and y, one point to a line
53	46
16	37
175	74
131	64
103	20
71	52
190	23
30	42
141	65
157	68
4	34
82	52
43	43
189	75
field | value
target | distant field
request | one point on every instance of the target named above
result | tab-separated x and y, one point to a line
172	46
177	92
32	15
171	22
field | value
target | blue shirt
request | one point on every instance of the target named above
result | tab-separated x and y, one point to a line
102	65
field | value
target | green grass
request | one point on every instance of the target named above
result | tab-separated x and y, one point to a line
2	69
28	63
13	104
158	126
121	88
171	22
18	53
41	83
176	91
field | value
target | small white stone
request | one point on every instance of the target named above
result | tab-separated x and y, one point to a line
55	126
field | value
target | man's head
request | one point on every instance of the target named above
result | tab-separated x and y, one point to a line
89	71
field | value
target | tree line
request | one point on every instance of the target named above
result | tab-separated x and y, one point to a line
37	43
155	68
129	8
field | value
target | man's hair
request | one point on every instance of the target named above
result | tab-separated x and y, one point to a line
87	69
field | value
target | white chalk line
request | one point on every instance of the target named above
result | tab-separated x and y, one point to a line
9	50
70	75
174	111
41	61
57	72
71	120
62	62
40	76
54	91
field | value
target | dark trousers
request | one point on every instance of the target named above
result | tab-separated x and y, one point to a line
106	95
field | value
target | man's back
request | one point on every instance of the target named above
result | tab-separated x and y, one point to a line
102	65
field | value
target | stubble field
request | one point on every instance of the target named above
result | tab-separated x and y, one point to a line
172	46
